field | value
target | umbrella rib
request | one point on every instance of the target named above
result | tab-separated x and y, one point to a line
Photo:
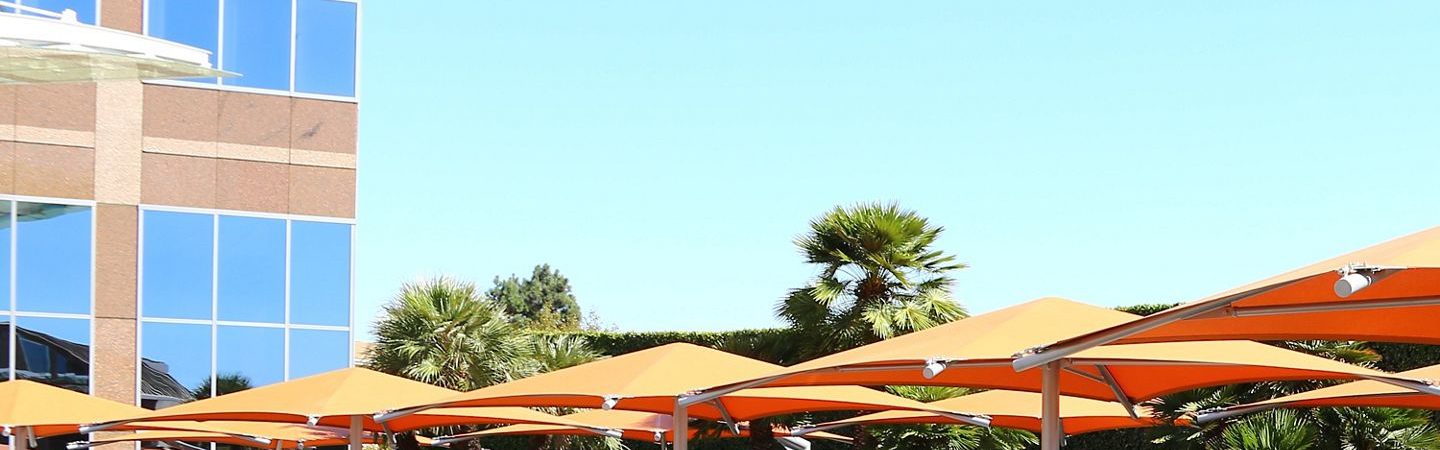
1256	311
725	416
1119	393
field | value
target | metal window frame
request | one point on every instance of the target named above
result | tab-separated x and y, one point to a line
99	9
214	321
294	32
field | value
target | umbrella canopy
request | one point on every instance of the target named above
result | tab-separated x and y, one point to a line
977	352
651	380
634	425
345	399
1013	409
1389	292
49	410
1354	394
236	433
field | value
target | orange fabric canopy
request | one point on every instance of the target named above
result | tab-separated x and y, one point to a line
234	433
977	352
650	380
634	425
1013	409
1399	305
331	399
1353	394
52	411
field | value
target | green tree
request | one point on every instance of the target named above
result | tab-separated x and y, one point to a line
879	277
225	383
441	331
543	300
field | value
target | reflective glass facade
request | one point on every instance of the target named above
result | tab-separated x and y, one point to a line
85	10
229	302
46	257
304	46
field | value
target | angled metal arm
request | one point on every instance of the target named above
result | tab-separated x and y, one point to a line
725	417
1119	393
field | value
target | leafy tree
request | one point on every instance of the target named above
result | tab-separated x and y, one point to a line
441	331
879	277
543	301
225	383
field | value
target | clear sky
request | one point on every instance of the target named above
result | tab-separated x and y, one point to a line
663	154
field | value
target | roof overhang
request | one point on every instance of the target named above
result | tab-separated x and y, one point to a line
46	47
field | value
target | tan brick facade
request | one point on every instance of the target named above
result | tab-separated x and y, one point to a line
124	144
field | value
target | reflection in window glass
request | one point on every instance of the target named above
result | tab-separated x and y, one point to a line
191	22
316	351
84	9
177	265
252	269
53	258
5	257
248	357
325	47
175	363
320	273
5	349
257	43
53	351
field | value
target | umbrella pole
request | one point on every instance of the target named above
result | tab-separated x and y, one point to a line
357	440
681	427
1050	437
19	438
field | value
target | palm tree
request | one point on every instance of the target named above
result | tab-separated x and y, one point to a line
1271	430
441	331
225	383
879	277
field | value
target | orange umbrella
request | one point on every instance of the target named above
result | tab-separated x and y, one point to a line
41	410
634	425
344	398
650	380
978	352
1012	409
1360	394
1388	292
246	434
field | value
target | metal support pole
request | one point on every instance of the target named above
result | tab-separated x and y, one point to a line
1050	434
681	426
357	432
19	438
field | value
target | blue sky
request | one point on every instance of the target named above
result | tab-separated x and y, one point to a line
663	154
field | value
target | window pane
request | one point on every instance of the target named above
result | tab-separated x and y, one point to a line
252	269
316	351
175	363
320	273
325	47
53	351
5	349
53	258
191	22
248	357
257	43
5	258
84	9
178	265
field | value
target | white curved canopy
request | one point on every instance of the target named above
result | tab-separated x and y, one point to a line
46	47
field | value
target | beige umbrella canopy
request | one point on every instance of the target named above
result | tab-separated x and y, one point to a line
345	398
1012	409
1389	292
651	380
979	352
634	425
1360	394
41	410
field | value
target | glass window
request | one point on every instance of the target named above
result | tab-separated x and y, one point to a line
177	266
316	351
5	350
248	357
84	9
53	258
252	269
53	351
5	207
175	363
257	43
325	47
320	273
191	22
